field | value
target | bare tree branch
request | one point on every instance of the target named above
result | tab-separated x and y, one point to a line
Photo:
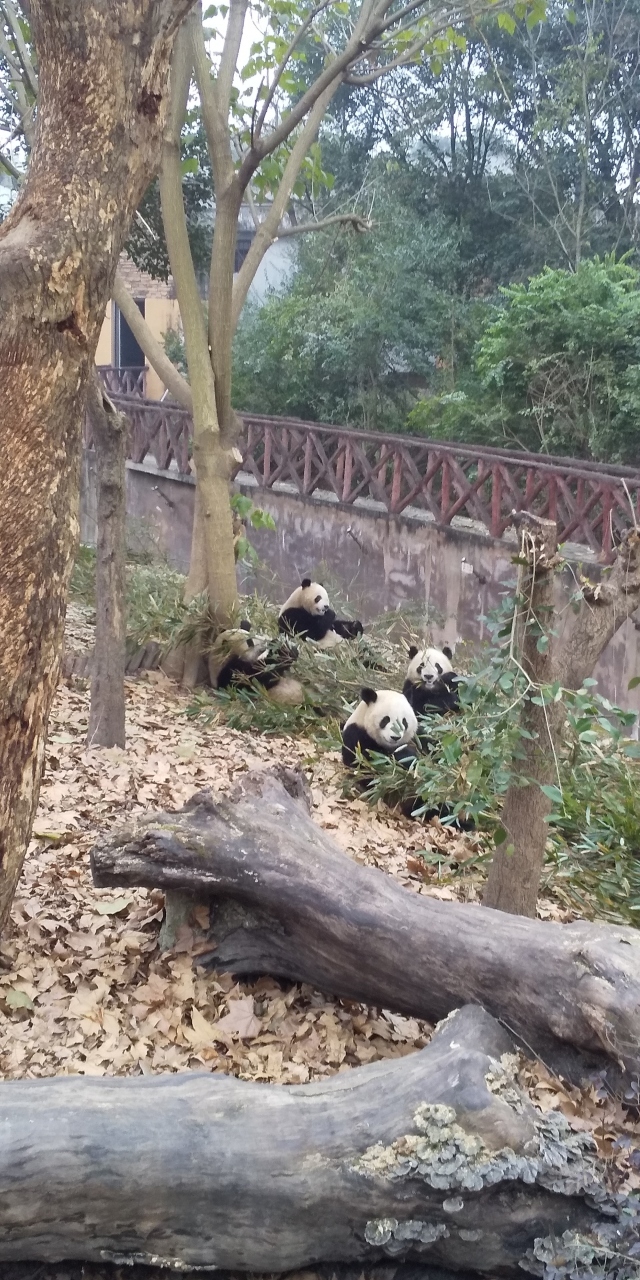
215	121
230	51
308	22
605	607
330	77
22	104
354	220
21	48
175	224
378	72
10	168
155	353
269	228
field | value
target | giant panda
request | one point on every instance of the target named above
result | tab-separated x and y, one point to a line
237	658
382	722
308	614
431	682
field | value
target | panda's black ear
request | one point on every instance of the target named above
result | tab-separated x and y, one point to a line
368	696
245	625
448	653
306	582
413	650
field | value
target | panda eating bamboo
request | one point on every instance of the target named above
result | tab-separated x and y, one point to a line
385	723
308	614
238	657
431	682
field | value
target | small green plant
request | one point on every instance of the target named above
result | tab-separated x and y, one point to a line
244	511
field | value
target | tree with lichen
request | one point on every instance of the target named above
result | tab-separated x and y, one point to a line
102	101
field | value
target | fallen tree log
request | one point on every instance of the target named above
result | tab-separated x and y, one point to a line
291	904
436	1155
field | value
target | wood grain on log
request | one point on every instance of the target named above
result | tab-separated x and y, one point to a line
293	905
435	1156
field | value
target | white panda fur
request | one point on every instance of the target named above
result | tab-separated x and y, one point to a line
383	722
310	596
431	682
307	613
427	666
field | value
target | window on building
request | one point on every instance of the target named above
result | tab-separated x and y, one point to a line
243	244
127	352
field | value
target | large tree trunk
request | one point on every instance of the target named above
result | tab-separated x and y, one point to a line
107	711
416	1157
293	905
546	656
103	88
516	867
213	524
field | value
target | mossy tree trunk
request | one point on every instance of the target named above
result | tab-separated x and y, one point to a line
104	70
436	1158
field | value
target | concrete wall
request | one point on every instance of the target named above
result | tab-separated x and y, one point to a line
447	579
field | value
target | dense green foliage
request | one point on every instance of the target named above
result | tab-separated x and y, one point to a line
557	370
512	154
368	321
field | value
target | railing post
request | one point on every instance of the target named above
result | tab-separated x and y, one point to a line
552	510
308	453
496	500
396	481
445	491
348	469
266	461
607	531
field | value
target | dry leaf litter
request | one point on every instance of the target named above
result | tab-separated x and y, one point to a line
83	986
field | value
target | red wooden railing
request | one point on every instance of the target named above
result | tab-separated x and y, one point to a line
592	504
123	381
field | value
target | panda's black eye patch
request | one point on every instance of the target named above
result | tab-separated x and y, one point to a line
318	599
438	668
405	724
384	722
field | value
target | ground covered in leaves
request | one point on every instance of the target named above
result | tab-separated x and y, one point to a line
84	988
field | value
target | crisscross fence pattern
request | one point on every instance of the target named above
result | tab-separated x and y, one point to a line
401	475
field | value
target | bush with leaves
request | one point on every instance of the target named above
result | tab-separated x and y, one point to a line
365	323
557	371
593	853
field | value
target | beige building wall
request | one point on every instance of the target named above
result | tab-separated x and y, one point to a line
104	353
161	313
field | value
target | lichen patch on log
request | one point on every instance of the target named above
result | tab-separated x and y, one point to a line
450	1158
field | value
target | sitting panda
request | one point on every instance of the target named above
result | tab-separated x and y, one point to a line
431	683
385	722
237	657
382	722
308	614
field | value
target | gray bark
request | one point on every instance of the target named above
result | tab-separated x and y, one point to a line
103	88
292	904
516	867
107	711
413	1157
